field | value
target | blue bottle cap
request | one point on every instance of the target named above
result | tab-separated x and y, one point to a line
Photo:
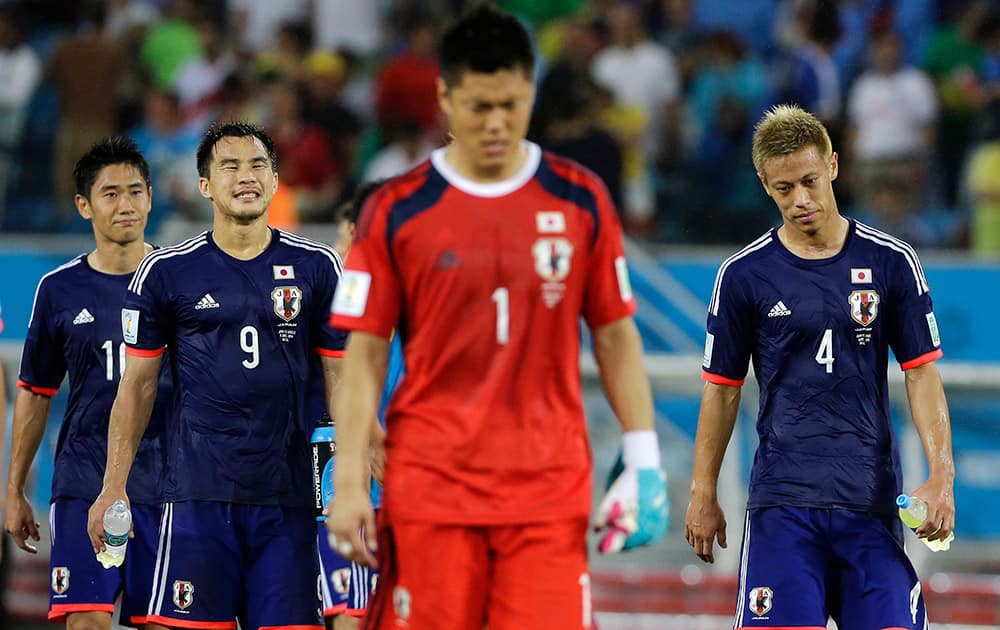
903	501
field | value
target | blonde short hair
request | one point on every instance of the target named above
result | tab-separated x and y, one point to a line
786	129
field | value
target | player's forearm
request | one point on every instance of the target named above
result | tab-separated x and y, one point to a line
618	352
31	411
929	409
355	404
129	419
716	419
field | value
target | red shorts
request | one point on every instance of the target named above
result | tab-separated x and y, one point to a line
509	577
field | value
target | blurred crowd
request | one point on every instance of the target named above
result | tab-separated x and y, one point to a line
659	97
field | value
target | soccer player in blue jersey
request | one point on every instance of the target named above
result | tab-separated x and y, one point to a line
816	304
243	308
75	328
347	586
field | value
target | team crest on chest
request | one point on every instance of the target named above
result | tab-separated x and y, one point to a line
552	258
287	302
864	306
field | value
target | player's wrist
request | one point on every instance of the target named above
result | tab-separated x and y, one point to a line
640	449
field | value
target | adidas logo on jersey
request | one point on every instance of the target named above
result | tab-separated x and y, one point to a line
83	317
206	302
779	310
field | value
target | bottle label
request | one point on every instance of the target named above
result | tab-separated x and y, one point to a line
116	541
322	469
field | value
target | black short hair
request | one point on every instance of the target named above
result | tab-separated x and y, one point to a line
107	151
485	40
351	210
219	130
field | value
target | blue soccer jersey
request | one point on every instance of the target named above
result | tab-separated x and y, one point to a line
75	328
242	335
818	333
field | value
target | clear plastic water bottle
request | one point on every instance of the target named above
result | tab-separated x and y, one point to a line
117	523
913	512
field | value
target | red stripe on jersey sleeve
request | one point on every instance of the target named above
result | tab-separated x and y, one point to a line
335	354
140	352
927	357
41	391
721	380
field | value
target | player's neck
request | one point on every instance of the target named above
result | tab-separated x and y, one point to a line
117	258
465	166
243	241
825	242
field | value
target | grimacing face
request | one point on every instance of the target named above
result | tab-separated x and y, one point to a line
241	181
118	205
489	114
801	185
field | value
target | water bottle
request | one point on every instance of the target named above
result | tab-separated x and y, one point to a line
117	523
913	512
324	449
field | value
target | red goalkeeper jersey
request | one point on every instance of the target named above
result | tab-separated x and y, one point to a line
487	284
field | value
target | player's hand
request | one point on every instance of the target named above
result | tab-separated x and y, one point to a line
635	511
95	517
939	496
20	521
350	524
704	522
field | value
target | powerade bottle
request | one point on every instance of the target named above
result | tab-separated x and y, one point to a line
117	523
913	512
324	449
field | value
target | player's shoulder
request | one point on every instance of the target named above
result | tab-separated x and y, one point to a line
750	255
569	170
162	259
307	249
68	272
403	187
892	253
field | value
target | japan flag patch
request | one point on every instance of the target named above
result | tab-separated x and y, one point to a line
550	222
351	297
861	275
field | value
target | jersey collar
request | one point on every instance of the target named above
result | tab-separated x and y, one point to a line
491	189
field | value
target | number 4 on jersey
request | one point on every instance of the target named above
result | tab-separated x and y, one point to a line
824	356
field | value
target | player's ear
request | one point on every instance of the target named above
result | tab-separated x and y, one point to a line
834	167
83	207
443	102
203	188
763	182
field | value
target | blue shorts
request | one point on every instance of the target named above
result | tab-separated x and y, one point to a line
345	586
800	566
217	562
78	582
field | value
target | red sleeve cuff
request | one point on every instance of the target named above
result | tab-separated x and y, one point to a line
721	380
334	354
927	357
141	352
342	322
41	391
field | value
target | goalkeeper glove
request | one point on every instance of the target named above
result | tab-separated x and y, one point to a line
635	509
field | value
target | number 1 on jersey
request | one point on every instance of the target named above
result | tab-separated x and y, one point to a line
824	356
501	297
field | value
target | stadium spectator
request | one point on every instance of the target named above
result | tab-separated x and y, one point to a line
954	61
307	162
76	329
641	74
347	25
406	88
170	146
816	304
243	308
492	529
198	82
171	43
892	114
325	79
409	145
87	69
255	23
20	72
